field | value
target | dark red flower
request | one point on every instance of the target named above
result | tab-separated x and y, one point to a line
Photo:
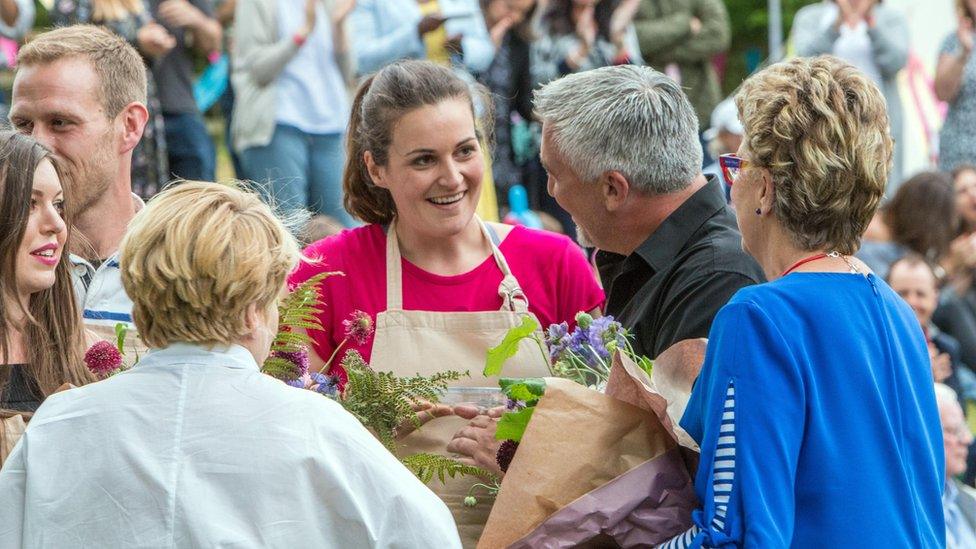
506	452
103	358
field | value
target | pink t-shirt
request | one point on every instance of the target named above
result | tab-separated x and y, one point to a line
550	268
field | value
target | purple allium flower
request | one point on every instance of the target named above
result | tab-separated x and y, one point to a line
359	327
299	360
506	452
103	358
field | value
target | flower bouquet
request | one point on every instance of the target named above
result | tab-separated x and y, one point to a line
591	453
383	402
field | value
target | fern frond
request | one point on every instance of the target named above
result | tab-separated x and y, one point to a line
429	466
382	401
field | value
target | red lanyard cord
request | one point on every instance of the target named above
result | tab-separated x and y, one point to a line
803	261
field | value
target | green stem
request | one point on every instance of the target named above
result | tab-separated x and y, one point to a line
545	354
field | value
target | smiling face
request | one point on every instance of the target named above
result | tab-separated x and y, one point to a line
43	243
59	104
916	284
583	200
434	169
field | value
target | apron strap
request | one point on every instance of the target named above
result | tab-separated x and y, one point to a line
513	299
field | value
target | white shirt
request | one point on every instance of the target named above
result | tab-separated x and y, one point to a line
99	292
311	92
197	448
854	45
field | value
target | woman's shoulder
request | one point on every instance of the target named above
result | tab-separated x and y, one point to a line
538	244
335	252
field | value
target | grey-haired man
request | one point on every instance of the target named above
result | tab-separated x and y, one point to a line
621	148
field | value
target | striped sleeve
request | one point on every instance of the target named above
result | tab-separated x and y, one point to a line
723	477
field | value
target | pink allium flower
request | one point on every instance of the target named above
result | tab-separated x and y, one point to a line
103	358
359	327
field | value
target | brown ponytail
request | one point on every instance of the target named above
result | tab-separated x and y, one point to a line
380	102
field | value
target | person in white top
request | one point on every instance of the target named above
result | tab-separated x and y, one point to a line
194	446
81	92
869	34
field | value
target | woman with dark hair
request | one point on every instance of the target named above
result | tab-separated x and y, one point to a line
41	339
956	314
920	218
442	285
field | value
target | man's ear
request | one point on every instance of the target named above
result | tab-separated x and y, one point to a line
616	190
375	171
134	118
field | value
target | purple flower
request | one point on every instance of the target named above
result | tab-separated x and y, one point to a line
558	338
325	384
359	327
299	360
103	358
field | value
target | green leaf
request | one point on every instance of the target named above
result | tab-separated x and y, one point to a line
512	425
524	389
120	330
646	364
509	346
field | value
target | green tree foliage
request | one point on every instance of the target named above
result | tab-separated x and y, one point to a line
750	20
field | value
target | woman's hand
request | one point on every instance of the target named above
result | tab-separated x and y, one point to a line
310	18
500	29
476	444
586	28
941	364
154	41
425	411
620	21
341	11
965	35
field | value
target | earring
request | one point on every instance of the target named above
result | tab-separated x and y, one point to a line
758	211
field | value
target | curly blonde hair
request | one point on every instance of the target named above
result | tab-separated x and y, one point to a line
196	257
820	127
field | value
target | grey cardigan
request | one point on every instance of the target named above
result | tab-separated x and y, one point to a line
889	38
259	57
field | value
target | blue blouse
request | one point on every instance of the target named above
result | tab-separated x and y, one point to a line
816	416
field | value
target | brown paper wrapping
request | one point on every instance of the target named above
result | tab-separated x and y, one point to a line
595	466
11	429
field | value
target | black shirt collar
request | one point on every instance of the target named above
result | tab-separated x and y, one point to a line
664	244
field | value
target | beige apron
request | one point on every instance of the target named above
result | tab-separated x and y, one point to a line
425	342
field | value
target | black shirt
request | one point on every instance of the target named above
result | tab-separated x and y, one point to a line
672	286
174	72
16	392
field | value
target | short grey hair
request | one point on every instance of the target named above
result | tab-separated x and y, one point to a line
630	119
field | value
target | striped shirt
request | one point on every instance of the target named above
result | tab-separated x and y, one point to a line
99	292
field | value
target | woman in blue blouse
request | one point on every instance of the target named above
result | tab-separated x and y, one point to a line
815	407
